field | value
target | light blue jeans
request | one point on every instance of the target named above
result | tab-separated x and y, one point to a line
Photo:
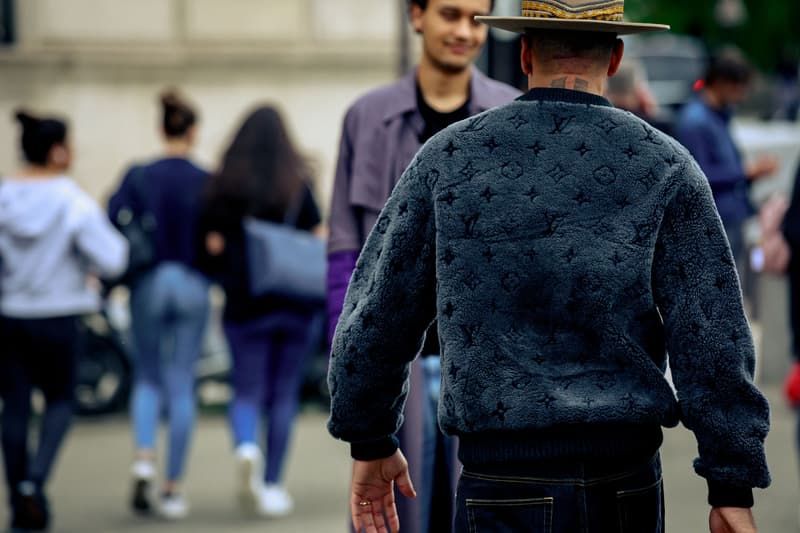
438	456
169	310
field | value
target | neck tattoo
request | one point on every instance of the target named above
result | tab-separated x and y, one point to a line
578	84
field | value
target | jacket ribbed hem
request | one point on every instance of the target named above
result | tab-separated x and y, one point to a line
724	495
373	450
612	441
53	305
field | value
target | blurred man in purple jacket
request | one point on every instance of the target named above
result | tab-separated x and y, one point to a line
381	134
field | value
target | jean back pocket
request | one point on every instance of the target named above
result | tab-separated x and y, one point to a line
641	510
510	516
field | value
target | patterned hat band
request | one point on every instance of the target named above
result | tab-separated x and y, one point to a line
608	10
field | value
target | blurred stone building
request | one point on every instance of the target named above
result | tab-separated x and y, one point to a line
102	63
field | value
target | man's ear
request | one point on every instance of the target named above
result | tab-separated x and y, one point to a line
525	57
616	57
416	13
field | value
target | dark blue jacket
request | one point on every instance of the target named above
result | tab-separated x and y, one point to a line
172	194
706	133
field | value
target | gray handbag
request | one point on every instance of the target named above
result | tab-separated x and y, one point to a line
283	260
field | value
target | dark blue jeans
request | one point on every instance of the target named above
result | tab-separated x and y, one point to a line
269	356
562	497
42	354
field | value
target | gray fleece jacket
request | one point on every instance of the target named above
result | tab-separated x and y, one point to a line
565	247
53	238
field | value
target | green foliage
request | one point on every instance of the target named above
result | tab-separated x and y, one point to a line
772	27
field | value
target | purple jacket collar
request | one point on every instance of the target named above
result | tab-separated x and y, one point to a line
405	100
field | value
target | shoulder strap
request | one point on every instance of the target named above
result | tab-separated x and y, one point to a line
295	207
138	188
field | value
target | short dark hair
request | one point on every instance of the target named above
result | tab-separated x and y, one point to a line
729	65
551	44
39	135
178	116
423	4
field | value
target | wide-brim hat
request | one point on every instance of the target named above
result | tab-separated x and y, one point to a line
576	15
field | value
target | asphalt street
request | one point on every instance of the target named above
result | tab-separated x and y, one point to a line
90	487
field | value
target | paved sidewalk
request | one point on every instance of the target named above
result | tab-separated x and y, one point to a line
90	488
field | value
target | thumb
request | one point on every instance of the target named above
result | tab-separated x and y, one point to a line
404	484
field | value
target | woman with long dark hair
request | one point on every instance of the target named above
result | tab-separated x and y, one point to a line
53	238
169	305
263	176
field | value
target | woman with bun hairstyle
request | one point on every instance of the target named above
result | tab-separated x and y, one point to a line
53	240
263	176
169	307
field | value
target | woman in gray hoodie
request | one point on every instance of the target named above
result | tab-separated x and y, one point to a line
54	240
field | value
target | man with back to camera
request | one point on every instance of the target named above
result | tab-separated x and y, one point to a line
382	132
564	247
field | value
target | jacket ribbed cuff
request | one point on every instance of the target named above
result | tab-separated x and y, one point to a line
372	450
724	495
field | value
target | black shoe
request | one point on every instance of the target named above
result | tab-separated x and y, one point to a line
141	503
30	509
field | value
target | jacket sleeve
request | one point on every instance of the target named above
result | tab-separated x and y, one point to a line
345	231
721	174
710	346
344	242
102	245
389	304
340	268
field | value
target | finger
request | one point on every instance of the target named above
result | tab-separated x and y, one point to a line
390	510
404	484
377	516
354	516
367	519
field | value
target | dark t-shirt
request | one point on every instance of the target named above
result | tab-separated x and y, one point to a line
436	121
225	215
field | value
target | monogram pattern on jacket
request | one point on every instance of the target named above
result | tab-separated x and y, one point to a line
565	249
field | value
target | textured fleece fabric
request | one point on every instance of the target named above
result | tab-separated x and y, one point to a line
564	246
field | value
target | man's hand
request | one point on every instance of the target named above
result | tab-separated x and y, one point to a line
373	493
732	520
763	167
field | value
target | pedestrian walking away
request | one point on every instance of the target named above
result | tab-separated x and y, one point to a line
169	305
262	177
381	133
558	288
53	239
704	128
791	231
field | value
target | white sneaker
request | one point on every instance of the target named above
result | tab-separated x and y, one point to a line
248	489
143	473
275	501
173	506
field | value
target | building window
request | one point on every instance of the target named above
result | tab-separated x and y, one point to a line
6	22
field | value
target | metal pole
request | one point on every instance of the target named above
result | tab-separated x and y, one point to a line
6	22
404	63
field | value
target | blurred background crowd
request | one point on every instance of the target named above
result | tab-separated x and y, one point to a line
195	91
